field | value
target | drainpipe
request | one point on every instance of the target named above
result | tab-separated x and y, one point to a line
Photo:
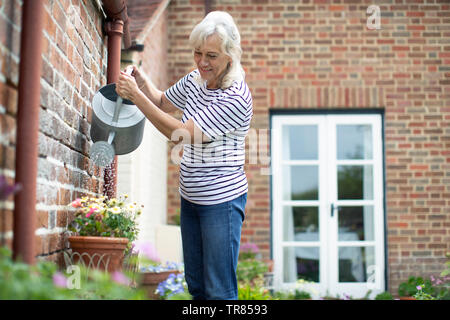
207	6
117	30
27	130
117	10
114	29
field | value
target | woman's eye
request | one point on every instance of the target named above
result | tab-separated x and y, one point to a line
212	56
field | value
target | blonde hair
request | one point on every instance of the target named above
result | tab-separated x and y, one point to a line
222	24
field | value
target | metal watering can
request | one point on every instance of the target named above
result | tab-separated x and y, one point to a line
117	126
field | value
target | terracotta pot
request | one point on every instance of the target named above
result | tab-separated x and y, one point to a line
150	281
103	253
407	298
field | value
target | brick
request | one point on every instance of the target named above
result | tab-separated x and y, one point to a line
6	221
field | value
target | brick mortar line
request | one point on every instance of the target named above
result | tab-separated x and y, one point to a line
81	25
46	182
56	115
5	51
3	15
66	59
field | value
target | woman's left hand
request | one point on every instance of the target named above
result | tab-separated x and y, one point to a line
127	87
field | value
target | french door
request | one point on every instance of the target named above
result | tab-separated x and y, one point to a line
327	213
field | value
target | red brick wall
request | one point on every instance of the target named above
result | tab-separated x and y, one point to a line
320	54
73	68
153	60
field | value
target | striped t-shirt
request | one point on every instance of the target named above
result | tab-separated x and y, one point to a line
213	172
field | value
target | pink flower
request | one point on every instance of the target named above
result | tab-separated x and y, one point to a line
91	211
120	278
419	288
249	247
76	203
59	280
147	249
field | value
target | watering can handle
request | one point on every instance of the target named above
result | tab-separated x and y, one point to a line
119	101
117	110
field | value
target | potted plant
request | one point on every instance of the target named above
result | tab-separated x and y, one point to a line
151	271
407	290
105	229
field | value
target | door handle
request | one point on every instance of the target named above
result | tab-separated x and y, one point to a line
334	207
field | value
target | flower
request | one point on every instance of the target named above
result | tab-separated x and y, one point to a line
248	251
59	280
174	284
147	249
6	189
115	210
91	211
104	217
120	278
419	288
76	203
250	247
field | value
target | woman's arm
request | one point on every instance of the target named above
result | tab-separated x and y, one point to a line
149	89
172	128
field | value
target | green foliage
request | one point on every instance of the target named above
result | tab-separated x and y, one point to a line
248	251
296	295
384	296
409	288
247	270
422	295
446	272
250	274
249	291
42	281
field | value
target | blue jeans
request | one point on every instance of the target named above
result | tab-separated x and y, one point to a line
211	235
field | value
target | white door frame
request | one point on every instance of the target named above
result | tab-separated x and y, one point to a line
328	241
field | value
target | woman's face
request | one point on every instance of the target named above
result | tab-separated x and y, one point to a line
211	61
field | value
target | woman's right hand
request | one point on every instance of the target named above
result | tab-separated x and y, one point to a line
138	76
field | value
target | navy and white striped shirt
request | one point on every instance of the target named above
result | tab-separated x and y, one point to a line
213	172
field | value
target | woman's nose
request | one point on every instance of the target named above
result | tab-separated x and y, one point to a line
203	62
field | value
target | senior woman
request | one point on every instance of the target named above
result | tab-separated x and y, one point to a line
217	110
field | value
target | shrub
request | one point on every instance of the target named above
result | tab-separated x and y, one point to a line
409	288
42	281
384	296
248	270
247	291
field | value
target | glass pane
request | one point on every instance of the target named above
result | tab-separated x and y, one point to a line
355	182
300	142
301	263
300	183
356	223
354	142
353	263
301	224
